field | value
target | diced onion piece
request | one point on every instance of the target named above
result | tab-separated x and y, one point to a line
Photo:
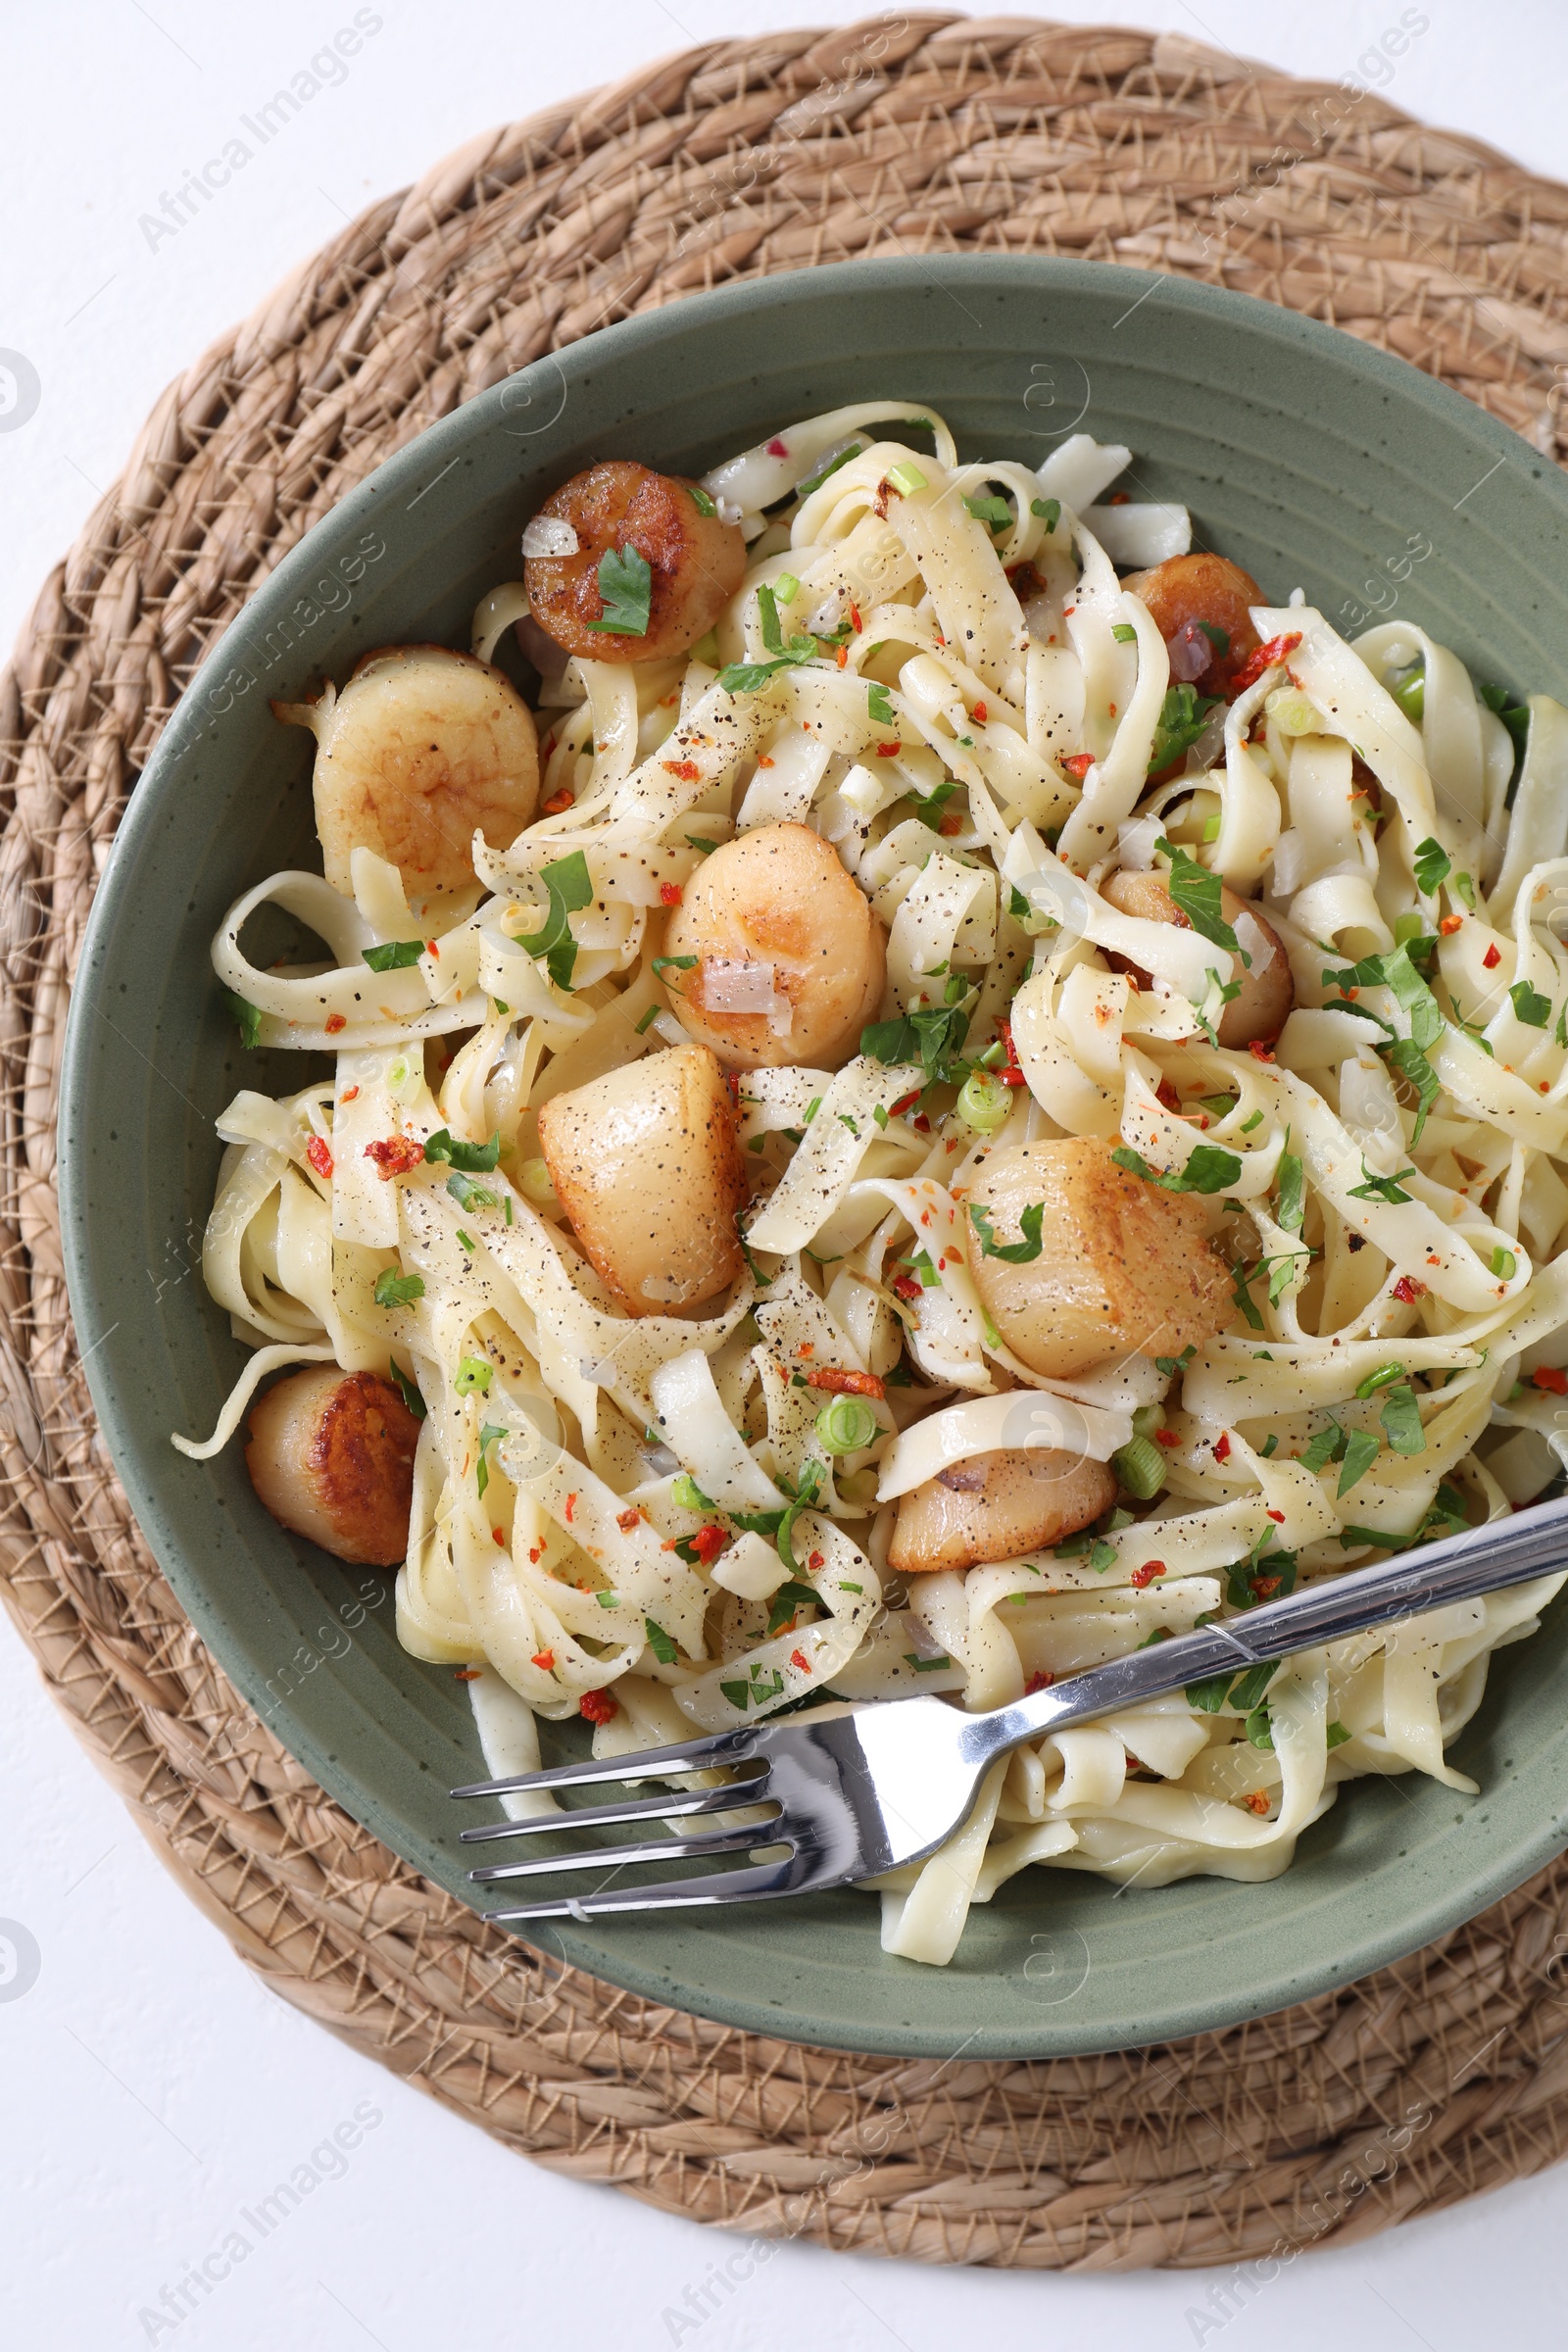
550	535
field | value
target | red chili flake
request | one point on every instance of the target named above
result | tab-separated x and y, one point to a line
1267	656
352	1092
1112	708
1038	1682
1122	498
571	1506
670	893
686	769
1165	1093
536	1554
1167	1438
599	1706
1259	1050
467	1673
807	1347
1222	1446
921	1125
1264	1588
906	1286
884	751
1407	1289
951	825
319	1153
1079	764
1147	1573
708	1541
1278	1518
431	948
815	1563
336	1021
904	1103
845	1383
1450	924
545	1661
499	1538
1258	1802
558	802
627	1520
776	448
764	759
797	1658
980	713
1491	959
1552	1378
1543	1085
854	619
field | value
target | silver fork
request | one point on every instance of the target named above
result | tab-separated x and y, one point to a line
864	1792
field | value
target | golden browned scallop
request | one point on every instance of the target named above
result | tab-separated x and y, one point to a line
773	919
695	559
647	1164
1124	1267
1187	590
996	1506
423	748
331	1457
1268	993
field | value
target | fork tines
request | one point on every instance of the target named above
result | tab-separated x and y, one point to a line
690	1756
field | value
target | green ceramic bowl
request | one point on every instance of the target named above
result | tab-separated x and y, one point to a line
1313	461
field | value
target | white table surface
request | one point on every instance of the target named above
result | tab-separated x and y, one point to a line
153	2088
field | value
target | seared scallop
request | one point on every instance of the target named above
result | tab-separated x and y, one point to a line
1184	593
676	562
1124	1267
647	1164
1268	993
331	1457
998	1506
776	923
423	748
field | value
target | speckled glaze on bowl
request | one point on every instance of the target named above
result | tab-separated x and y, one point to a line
1313	461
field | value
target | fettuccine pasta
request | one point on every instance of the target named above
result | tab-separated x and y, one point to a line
949	1109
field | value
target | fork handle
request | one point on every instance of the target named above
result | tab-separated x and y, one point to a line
1508	1552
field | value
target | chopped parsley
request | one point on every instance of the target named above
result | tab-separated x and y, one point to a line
1183	716
1382	1188
659	1642
247	1018
1015	1253
995	512
393	955
1195	893
1208	1169
477	1159
488	1433
1432	867
569	887
626	585
409	1390
397	1290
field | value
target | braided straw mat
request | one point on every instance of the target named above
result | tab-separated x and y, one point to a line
1420	2085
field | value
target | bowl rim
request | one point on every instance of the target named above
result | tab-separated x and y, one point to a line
429	455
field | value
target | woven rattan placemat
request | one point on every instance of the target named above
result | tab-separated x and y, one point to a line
1420	2085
